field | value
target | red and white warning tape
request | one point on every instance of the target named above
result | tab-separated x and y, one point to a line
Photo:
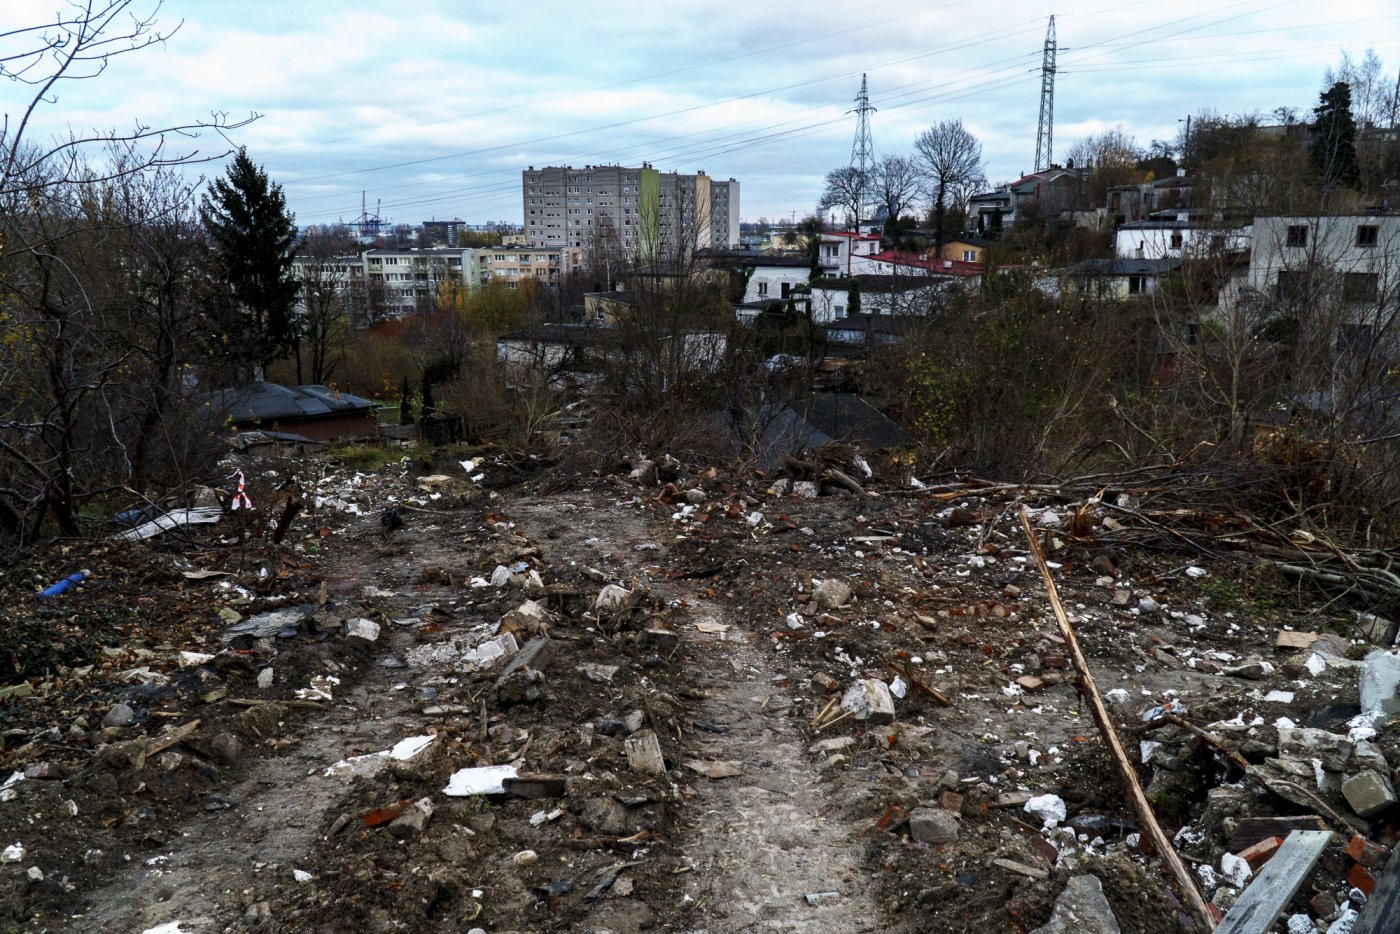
240	499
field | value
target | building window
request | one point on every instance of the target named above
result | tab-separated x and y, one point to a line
1137	285
1176	240
1298	235
1360	287
763	288
1367	235
1292	285
840	311
1356	338
969	256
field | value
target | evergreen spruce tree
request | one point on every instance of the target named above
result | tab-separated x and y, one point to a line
853	298
1333	152
252	238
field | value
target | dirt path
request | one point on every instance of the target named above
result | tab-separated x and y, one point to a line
759	843
768	838
272	820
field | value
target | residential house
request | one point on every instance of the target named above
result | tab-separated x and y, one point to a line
605	307
1047	193
1111	278
314	412
1350	261
879	295
966	249
1143	201
441	233
411	279
839	251
554	347
865	330
774	277
547	266
1180	237
640	211
917	265
991	212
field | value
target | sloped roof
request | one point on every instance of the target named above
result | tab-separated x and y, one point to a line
1123	267
929	262
874	283
271	402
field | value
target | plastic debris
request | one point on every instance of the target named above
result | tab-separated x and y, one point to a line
481	780
72	580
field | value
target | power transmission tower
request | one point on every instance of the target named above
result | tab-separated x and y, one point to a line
862	149
1044	135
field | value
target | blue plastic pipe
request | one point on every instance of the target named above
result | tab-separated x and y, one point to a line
72	580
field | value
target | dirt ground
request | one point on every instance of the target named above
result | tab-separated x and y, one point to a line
691	609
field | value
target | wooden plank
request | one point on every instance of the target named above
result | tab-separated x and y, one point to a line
1250	830
1275	885
1381	913
1127	774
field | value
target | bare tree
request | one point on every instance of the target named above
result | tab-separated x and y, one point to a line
845	190
326	296
951	159
77	45
98	279
896	184
1372	94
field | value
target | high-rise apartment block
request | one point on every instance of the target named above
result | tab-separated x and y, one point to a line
638	212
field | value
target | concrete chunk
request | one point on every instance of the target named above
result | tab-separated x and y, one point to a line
644	753
1305	744
1081	909
1368	793
830	594
413	821
933	826
870	700
1380	675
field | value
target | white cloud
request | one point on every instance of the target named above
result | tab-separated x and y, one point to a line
435	106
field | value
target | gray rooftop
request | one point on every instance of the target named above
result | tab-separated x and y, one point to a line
269	402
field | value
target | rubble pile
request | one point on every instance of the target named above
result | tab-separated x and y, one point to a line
532	704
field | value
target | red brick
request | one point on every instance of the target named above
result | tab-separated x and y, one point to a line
1260	853
1361	879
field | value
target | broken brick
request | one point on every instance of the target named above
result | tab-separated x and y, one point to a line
1359	878
1260	853
380	816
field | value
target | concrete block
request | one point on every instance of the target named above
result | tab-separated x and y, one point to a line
1368	793
933	826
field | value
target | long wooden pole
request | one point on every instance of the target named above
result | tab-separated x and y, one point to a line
1186	886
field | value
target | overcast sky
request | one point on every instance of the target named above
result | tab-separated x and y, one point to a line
433	108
